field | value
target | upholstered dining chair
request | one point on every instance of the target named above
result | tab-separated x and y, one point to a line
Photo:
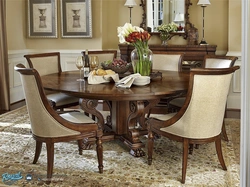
164	60
103	55
210	61
48	63
50	127
199	121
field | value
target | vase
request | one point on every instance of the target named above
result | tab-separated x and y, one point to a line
142	59
165	36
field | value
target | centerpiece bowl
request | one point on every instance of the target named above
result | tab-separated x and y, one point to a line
117	65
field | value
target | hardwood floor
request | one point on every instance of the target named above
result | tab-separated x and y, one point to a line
230	113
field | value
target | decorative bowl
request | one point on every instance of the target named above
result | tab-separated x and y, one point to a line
121	69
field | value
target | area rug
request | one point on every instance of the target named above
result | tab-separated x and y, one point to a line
17	149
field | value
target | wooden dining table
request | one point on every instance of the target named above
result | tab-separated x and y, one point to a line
128	106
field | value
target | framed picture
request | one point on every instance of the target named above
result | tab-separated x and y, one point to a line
76	19
42	19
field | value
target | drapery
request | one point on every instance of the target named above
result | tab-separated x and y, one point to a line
4	66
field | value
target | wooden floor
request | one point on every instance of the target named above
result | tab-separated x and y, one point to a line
230	113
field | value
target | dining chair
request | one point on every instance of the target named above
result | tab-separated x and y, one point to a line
199	121
171	61
163	60
50	127
210	61
48	63
103	55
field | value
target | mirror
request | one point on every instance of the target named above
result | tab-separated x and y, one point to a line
167	12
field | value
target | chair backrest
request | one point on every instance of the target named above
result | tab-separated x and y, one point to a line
45	122
103	55
217	61
45	63
203	111
163	60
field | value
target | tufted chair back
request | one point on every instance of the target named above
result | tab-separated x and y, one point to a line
167	61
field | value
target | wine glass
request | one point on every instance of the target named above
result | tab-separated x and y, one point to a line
94	63
80	65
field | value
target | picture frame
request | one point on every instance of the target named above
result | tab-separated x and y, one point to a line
76	19
42	19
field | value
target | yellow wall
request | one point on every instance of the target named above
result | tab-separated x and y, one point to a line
107	15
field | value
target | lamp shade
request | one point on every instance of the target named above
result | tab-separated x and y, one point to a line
203	2
130	3
179	17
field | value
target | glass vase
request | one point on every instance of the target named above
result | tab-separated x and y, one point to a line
164	36
142	59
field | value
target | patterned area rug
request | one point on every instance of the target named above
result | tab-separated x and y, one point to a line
17	149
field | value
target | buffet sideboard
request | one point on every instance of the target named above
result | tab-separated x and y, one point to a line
192	53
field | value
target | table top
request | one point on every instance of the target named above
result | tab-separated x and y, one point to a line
172	82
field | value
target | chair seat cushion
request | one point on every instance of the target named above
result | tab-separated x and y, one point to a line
77	117
176	129
178	101
162	117
62	99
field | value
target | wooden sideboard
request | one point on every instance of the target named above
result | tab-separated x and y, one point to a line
191	52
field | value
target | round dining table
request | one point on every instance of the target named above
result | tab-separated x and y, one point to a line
127	106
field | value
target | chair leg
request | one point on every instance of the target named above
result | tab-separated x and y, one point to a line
38	151
50	160
184	160
224	132
150	147
80	146
99	150
219	153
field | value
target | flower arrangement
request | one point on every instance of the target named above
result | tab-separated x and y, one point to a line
137	37
166	29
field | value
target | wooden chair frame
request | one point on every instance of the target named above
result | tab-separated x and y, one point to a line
86	130
155	125
29	58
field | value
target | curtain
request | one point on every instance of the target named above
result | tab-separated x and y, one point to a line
4	65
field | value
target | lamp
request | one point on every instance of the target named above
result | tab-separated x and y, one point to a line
203	4
179	18
130	4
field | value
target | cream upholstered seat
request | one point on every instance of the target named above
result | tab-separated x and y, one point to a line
50	127
210	61
48	63
200	119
